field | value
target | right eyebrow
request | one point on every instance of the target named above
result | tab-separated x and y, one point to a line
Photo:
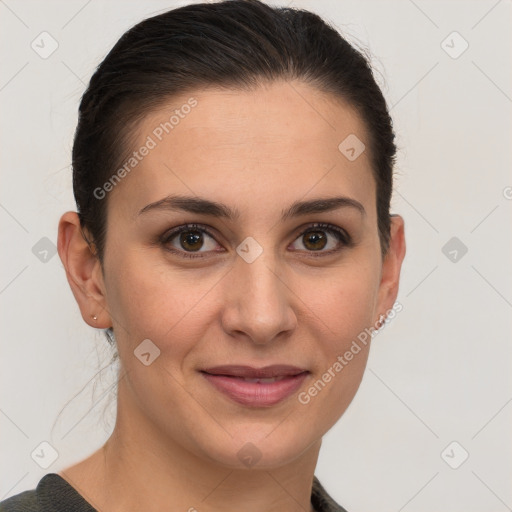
192	204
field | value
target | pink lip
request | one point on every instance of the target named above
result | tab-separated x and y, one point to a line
230	381
275	370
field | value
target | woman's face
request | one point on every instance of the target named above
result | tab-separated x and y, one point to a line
257	291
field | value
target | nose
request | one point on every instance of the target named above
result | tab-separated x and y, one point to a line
258	302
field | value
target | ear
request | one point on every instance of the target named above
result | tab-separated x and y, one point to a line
391	266
83	271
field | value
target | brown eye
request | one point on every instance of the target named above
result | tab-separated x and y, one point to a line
323	239
315	240
191	240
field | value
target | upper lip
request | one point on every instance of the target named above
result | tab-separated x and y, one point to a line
248	372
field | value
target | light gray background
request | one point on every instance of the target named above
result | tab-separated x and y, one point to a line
440	372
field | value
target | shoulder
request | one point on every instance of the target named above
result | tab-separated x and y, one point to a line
25	501
321	500
52	493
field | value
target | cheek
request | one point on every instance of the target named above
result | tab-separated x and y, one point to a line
343	300
154	301
166	308
343	307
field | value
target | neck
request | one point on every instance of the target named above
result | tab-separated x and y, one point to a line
139	468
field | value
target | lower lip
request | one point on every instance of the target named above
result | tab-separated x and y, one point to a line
256	394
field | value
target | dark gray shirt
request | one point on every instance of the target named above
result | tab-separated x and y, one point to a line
54	494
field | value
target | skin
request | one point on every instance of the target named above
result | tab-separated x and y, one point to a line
176	437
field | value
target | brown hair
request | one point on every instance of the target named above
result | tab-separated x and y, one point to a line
235	44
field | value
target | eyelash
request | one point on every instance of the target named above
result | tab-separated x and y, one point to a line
342	236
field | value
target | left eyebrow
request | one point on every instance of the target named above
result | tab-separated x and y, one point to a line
199	205
322	205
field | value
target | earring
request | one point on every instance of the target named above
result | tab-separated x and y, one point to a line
382	320
94	317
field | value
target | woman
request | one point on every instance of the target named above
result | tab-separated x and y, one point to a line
232	168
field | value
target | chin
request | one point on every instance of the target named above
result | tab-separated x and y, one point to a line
252	450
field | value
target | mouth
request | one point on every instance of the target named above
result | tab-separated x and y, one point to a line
256	387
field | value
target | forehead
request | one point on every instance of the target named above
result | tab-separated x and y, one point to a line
278	140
